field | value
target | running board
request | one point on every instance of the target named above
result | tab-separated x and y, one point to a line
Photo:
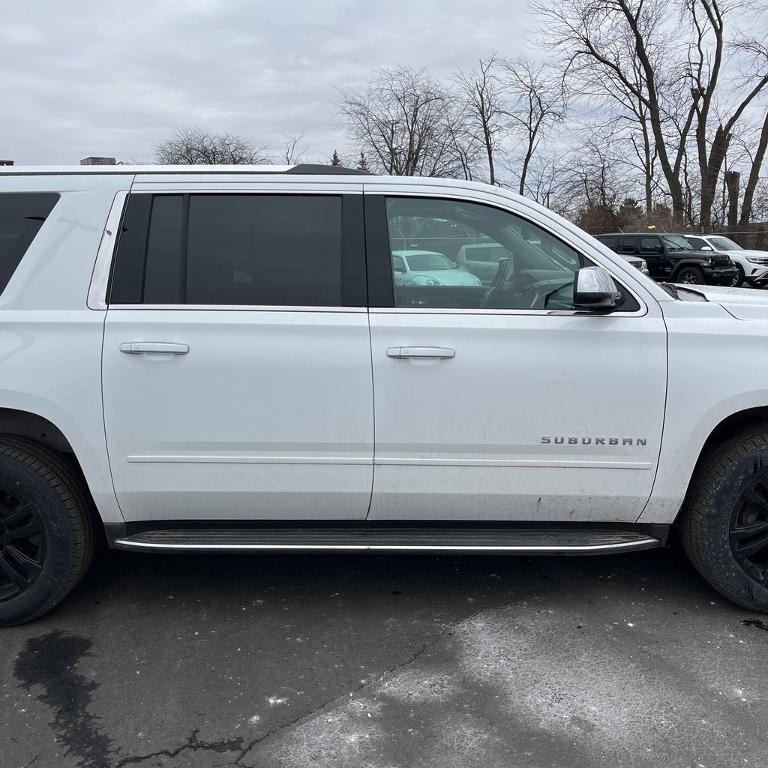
383	538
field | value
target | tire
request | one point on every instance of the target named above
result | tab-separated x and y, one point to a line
51	507
738	279
725	516
690	276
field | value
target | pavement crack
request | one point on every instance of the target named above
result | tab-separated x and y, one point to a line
193	745
335	700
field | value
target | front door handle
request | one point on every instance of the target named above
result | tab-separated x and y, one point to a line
153	348
408	353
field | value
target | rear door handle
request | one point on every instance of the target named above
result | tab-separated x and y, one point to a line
153	348
407	353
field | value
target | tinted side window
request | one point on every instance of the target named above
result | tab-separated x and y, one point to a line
281	250
278	250
627	245
165	246
650	245
21	216
127	280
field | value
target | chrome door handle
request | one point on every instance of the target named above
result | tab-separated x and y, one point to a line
407	353
153	348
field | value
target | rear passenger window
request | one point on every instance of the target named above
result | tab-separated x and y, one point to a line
627	245
230	249
21	216
650	245
265	250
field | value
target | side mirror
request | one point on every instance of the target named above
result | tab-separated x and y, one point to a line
705	248
594	289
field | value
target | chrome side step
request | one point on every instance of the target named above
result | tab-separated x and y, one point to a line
383	538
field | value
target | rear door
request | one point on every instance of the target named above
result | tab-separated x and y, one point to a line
236	361
501	401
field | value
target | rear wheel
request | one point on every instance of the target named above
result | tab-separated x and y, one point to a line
690	276
725	523
46	530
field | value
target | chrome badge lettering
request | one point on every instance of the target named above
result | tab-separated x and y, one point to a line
613	441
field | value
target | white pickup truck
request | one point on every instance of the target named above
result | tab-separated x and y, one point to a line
221	359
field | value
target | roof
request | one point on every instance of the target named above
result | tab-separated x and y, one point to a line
114	170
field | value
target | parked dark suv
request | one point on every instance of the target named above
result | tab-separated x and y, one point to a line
671	258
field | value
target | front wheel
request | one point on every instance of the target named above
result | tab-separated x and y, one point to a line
46	530
724	526
738	278
690	276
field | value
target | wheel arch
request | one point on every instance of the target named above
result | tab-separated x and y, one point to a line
44	432
685	263
37	428
727	428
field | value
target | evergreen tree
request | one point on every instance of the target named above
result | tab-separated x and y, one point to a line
335	159
362	163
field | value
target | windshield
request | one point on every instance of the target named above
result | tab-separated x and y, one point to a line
676	243
428	262
724	244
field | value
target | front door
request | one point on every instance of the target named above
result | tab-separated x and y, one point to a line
236	360
499	401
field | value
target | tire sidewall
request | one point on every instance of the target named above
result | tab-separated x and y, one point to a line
23	481
723	570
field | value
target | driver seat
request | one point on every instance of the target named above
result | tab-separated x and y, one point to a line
494	297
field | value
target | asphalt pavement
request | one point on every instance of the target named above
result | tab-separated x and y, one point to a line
387	661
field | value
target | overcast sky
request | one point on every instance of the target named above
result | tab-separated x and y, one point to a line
116	77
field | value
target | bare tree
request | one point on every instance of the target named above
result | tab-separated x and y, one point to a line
595	182
708	20
487	118
548	177
537	103
621	40
292	154
754	175
196	146
672	88
407	124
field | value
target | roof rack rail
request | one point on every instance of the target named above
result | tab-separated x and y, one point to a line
317	169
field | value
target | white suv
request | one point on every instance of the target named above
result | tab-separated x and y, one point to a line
751	266
222	359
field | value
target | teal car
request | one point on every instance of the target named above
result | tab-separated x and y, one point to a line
428	268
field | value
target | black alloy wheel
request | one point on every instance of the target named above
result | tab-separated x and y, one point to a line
748	531
22	545
690	276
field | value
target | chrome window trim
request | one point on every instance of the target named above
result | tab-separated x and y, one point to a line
237	308
227	187
97	290
643	310
491	312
